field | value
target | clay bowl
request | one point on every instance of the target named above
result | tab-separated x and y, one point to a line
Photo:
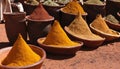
38	28
93	10
67	18
38	50
29	8
87	42
109	37
113	26
54	10
68	50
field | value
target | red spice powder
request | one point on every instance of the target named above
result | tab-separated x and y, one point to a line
40	14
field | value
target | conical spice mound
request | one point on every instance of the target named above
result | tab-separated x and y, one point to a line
74	8
40	14
80	29
57	37
100	24
21	54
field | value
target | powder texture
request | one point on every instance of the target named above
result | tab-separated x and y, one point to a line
112	19
80	29
100	24
57	37
63	1
50	3
21	54
73	8
96	2
40	14
32	2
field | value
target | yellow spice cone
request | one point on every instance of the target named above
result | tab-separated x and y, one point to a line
21	54
80	28
73	8
100	24
58	37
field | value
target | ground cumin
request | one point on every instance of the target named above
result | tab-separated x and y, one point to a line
79	28
21	54
57	37
100	24
73	7
40	14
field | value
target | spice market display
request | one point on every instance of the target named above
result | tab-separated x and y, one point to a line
59	34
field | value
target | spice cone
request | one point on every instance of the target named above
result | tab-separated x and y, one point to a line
57	37
20	54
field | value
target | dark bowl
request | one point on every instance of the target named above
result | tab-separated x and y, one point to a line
38	28
87	42
112	7
37	65
109	37
29	8
69	50
113	26
67	18
93	10
54	11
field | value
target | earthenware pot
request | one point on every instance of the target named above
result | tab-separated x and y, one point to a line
15	23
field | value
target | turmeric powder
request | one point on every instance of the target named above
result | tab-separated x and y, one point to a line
21	54
73	8
80	29
100	24
57	37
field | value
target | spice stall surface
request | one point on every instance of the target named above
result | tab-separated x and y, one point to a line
105	57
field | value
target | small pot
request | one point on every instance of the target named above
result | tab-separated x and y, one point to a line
54	11
93	10
38	28
15	23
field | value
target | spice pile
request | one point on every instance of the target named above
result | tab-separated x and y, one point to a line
21	54
74	8
80	29
100	24
40	14
57	37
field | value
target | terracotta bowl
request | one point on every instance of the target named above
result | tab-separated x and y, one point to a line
67	18
109	37
113	26
38	50
68	50
38	28
87	42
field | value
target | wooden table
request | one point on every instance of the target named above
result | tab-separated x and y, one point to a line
105	57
